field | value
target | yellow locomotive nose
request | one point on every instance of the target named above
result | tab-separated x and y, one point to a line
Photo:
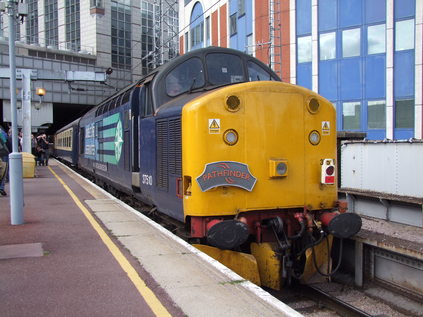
278	131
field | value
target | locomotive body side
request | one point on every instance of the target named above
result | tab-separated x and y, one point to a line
106	136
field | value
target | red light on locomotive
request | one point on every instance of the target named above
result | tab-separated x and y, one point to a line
328	172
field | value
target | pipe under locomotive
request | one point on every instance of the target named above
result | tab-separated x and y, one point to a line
214	139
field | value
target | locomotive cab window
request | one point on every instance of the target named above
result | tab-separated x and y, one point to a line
224	69
146	104
185	77
257	73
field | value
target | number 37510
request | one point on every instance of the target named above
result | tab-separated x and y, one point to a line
147	180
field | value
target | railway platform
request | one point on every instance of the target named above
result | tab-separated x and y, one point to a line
82	252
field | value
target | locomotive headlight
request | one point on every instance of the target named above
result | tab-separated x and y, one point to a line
230	137
278	168
314	137
281	168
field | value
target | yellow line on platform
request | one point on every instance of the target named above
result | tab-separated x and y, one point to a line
148	295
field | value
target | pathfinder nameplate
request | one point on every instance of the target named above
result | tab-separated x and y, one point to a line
226	174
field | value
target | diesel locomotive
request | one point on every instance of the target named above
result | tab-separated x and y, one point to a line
216	141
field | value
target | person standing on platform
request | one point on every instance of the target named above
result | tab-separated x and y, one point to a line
4	158
44	149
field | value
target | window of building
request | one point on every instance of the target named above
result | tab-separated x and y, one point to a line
232	24
250	46
404	35
186	42
208	29
73	26
51	22
148	36
376	39
32	22
121	35
304	49
351	115
197	35
241	7
404	114
376	114
96	4
327	46
351	43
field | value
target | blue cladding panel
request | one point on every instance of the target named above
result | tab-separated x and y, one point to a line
375	11
304	75
404	74
349	13
328	80
328	19
303	11
241	32
233	42
375	77
403	134
351	83
376	134
404	8
233	7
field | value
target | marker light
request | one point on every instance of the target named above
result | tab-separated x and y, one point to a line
230	137
314	137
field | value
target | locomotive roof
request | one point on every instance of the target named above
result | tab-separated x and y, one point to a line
206	69
197	62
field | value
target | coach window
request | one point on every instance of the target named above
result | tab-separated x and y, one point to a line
185	77
257	73
224	69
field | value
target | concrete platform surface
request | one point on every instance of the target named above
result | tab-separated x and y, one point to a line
99	257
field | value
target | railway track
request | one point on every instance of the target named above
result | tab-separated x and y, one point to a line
339	306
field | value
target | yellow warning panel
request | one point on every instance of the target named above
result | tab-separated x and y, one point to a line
269	264
214	126
243	264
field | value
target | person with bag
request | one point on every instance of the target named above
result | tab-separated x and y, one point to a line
4	158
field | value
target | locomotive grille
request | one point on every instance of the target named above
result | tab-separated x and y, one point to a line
169	152
175	153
